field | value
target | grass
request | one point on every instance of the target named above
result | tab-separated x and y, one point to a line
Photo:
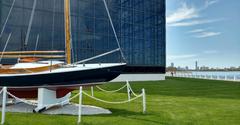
175	101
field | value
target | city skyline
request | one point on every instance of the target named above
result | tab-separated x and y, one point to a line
205	31
200	67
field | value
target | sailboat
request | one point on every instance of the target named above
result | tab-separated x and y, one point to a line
33	72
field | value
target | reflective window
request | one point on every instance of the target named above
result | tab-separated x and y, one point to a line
140	27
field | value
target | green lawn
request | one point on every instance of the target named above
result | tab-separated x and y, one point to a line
176	101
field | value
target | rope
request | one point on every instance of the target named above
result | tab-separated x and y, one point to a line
36	45
132	91
30	22
5	23
1	91
121	102
114	31
53	24
22	100
97	56
112	91
69	99
9	36
31	103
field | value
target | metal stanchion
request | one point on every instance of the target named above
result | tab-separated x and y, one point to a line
128	91
92	91
4	104
144	100
80	106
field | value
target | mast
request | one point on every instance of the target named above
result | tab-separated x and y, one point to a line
67	31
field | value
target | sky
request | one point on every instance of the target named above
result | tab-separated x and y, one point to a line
207	31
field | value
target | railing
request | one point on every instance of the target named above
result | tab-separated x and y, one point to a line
235	78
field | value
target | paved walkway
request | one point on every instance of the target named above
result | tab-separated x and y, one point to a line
70	109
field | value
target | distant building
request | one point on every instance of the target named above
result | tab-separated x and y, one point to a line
196	65
172	64
179	68
204	68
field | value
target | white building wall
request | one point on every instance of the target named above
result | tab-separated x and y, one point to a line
139	77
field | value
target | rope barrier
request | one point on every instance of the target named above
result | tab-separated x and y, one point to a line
112	91
62	102
132	91
22	100
81	92
120	102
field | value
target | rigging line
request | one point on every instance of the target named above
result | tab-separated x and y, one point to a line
53	23
53	29
36	46
98	56
30	23
113	28
5	23
9	36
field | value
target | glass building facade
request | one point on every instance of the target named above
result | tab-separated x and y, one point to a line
140	27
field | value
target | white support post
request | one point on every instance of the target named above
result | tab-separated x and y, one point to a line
234	78
80	105
4	104
144	100
92	91
225	77
128	91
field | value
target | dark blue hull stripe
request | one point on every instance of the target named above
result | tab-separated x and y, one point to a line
64	78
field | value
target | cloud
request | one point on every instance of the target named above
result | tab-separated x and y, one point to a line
196	31
193	22
189	15
203	33
185	56
183	13
207	34
210	2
